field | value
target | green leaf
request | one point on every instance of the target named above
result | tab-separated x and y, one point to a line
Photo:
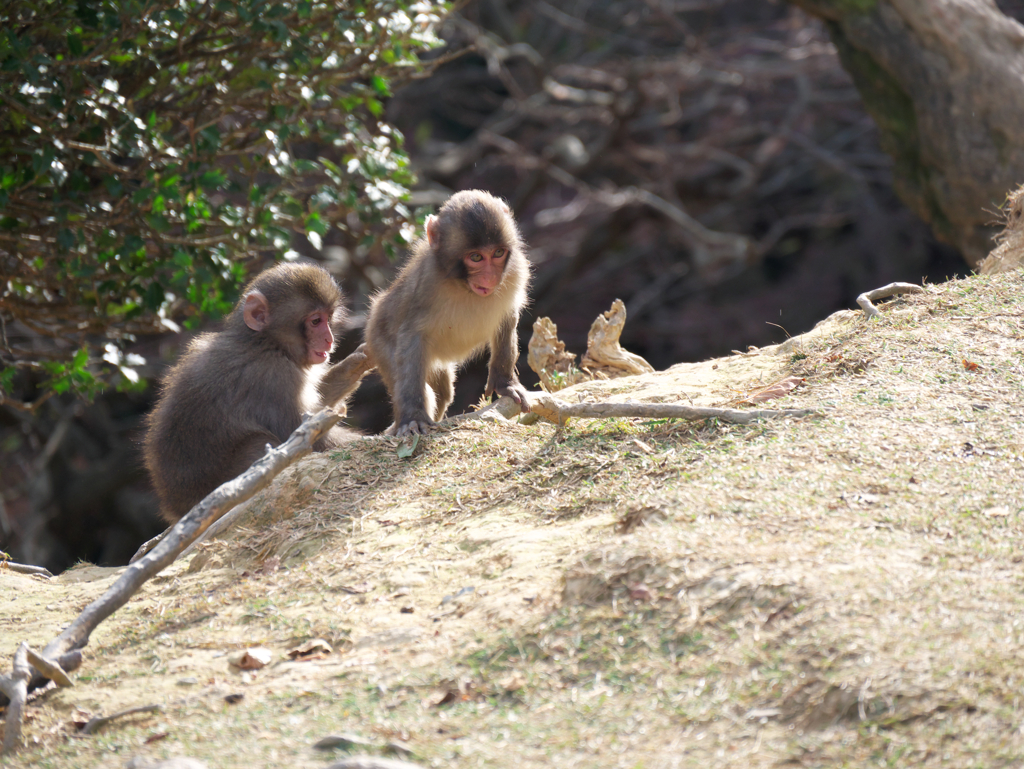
154	296
65	239
113	185
315	224
75	45
209	139
407	447
7	378
212	180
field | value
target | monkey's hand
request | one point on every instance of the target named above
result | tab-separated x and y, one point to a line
369	364
344	377
513	390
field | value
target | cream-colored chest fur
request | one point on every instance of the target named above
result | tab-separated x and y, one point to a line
461	322
310	391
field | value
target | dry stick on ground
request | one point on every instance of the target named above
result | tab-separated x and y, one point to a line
97	722
372	762
865	300
559	411
64	652
24	568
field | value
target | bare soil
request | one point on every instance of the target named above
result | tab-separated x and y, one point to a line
838	590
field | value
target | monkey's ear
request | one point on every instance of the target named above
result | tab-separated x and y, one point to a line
256	311
433	231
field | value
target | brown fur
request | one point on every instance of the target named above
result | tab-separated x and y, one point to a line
236	390
430	319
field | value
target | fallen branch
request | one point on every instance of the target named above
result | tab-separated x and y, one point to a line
225	522
373	762
865	300
559	411
64	652
24	568
51	670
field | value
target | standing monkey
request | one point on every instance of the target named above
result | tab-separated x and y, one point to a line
461	290
236	390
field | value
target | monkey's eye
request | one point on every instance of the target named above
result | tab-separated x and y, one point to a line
315	320
499	253
475	257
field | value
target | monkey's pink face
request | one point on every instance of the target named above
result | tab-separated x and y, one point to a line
485	266
319	339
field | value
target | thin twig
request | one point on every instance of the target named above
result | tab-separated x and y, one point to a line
96	722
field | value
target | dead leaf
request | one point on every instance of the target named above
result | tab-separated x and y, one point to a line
513	683
444	697
251	659
453	691
344	741
970	366
316	649
776	390
640	516
641	592
270	565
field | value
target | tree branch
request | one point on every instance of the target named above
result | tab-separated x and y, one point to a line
560	411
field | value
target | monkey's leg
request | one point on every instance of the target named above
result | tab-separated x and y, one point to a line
409	396
441	381
501	373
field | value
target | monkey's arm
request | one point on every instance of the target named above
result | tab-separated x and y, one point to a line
408	366
501	374
344	376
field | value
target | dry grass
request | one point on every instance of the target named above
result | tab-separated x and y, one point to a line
844	590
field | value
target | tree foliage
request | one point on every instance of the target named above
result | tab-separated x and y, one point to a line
150	148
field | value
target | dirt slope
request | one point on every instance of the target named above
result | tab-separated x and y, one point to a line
840	590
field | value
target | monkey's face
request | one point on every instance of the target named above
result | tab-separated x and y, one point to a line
484	268
316	328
